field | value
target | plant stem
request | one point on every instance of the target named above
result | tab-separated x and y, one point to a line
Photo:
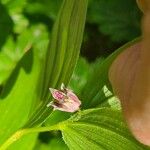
18	134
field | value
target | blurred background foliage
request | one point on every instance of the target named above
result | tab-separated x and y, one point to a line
110	23
27	23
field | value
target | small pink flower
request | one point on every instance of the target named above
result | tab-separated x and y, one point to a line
65	100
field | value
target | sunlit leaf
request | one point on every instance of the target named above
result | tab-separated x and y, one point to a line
98	129
26	143
20	93
13	51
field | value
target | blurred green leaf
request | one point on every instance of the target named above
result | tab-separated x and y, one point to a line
98	129
14	6
13	51
20	23
15	9
46	7
80	75
119	19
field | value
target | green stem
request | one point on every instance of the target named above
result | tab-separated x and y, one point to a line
18	134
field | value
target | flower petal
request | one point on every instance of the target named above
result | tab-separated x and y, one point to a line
73	97
58	95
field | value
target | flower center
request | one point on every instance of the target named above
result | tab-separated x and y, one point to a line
59	95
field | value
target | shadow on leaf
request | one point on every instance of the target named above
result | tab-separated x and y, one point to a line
26	63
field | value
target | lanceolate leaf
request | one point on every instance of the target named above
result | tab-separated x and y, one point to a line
98	129
65	43
62	53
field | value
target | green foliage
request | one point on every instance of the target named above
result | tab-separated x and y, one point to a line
99	79
80	76
117	18
31	75
14	50
17	97
98	129
25	143
46	7
30	64
62	54
6	24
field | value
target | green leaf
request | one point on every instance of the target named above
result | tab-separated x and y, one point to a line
13	51
20	23
15	9
56	117
62	53
119	19
17	97
25	143
14	6
83	74
98	129
57	144
80	75
25	86
65	43
109	99
10	55
20	93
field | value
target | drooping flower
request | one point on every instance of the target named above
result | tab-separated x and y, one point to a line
65	100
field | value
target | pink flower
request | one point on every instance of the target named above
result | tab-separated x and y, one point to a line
65	100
